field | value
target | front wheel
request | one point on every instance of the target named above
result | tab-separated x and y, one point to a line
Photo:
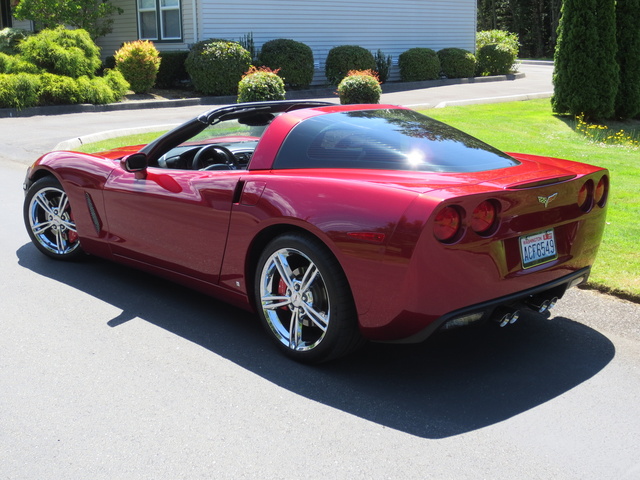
49	220
304	300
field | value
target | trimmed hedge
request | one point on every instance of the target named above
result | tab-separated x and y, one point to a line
360	87
418	64
63	52
341	60
260	85
457	63
172	72
294	60
216	66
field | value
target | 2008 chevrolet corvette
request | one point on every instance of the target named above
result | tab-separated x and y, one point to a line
336	223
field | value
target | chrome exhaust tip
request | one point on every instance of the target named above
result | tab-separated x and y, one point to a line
509	318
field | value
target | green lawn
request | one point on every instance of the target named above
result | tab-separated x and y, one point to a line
530	127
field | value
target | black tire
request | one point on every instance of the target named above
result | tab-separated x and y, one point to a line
49	220
299	283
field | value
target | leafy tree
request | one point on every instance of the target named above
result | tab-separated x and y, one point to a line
586	75
94	16
628	99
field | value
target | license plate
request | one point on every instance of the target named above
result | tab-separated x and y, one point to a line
538	248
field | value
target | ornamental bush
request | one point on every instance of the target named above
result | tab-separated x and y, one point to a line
63	52
172	72
15	64
116	82
19	91
457	63
487	37
500	58
138	62
383	65
495	59
58	90
260	85
418	64
360	87
294	60
10	38
216	66
341	60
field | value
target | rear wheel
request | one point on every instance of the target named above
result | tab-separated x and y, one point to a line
304	300
49	220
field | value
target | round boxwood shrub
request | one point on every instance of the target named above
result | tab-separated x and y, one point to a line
138	62
341	60
495	59
260	85
216	66
294	60
63	52
19	90
417	64
360	87
172	71
457	63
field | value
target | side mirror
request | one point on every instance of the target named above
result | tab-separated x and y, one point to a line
135	163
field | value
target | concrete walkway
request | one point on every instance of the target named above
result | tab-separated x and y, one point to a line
24	139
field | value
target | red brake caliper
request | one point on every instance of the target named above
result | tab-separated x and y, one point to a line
282	290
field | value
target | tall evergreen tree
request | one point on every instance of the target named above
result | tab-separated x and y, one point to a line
628	99
586	76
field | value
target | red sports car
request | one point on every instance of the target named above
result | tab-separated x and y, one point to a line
336	223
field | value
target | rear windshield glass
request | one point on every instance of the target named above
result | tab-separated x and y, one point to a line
386	139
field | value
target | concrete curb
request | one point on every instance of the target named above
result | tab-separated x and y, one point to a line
225	100
74	143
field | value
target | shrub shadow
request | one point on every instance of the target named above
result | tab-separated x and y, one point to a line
454	383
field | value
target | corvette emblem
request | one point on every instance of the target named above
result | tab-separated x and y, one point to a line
547	200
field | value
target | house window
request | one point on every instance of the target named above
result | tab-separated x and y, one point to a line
159	20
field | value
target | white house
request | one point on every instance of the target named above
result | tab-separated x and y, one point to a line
390	25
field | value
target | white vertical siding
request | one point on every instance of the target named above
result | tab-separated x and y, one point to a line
125	29
392	26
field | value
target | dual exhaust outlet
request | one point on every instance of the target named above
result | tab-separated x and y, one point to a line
510	316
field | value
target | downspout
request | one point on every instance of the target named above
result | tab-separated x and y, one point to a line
195	20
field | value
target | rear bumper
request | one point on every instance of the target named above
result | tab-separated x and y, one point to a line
556	288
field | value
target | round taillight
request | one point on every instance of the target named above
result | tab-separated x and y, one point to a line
447	224
484	217
602	191
585	196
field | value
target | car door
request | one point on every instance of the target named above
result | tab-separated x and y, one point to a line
176	220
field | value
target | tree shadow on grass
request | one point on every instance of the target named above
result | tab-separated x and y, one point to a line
454	383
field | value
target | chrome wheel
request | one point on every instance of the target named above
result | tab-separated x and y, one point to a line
304	299
294	299
49	219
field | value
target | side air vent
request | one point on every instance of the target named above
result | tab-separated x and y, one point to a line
92	211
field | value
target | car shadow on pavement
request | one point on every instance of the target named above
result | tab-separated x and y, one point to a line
454	383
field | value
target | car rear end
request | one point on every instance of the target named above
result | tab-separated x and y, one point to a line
492	249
